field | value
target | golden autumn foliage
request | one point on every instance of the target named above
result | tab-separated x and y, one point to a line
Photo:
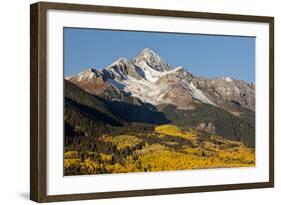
122	141
173	130
168	148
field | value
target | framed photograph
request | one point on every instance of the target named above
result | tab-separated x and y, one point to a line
135	102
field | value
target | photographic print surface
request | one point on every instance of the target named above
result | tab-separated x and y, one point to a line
147	101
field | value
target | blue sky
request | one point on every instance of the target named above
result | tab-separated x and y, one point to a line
203	55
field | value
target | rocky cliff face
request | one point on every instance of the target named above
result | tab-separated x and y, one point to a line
228	92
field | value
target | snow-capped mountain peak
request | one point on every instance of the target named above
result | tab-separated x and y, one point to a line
148	59
151	80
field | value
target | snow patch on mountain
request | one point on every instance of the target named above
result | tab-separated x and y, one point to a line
149	92
228	79
87	74
199	95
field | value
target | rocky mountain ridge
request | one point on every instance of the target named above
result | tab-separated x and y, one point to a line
147	78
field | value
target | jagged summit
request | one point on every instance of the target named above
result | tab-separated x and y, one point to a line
122	68
151	60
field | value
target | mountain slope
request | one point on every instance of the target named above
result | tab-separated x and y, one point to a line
224	123
112	112
89	111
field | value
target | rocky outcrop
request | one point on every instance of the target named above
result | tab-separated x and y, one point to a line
207	127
